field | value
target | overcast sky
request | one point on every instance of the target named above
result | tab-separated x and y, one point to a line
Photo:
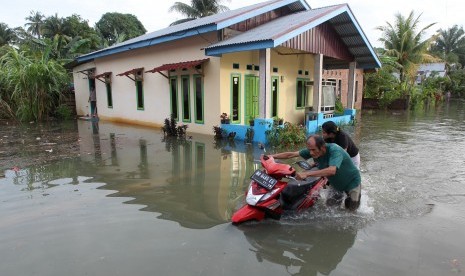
154	14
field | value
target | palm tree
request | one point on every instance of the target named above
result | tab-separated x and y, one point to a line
403	42
34	26
197	9
450	44
56	28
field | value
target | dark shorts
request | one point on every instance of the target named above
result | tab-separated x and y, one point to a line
351	202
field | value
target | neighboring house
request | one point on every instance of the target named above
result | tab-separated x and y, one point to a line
426	69
261	61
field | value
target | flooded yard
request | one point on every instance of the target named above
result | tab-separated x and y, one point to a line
88	198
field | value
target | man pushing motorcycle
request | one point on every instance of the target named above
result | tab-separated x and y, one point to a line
334	163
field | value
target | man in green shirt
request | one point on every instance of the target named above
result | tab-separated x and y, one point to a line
334	163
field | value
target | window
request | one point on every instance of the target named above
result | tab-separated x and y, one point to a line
356	91
301	94
235	65
249	67
339	87
256	68
186	110
109	95
140	95
174	97
235	98
275	69
274	97
198	91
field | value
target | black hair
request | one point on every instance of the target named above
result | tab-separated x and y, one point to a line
319	141
330	127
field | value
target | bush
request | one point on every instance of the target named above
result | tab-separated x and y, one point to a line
63	112
288	135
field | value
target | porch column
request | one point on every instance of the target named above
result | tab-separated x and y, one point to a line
351	85
265	82
317	79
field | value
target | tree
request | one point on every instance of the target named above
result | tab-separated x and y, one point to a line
450	45
56	28
113	22
35	23
403	42
197	9
7	35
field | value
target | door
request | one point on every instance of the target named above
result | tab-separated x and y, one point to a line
251	98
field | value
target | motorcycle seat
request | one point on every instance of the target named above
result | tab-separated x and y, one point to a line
297	188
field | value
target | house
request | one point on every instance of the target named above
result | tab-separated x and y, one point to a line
272	59
425	70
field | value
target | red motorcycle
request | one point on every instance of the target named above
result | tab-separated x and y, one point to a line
269	195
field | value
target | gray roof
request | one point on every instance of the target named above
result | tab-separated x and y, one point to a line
278	31
209	23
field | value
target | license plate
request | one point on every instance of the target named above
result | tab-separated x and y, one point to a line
263	179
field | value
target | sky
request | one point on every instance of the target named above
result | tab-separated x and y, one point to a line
154	14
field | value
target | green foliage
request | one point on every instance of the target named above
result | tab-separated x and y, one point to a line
450	45
7	35
114	22
339	108
406	45
64	112
197	9
32	85
286	136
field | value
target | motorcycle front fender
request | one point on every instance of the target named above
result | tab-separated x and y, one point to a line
247	213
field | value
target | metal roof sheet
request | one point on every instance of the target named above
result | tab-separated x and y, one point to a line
275	32
194	27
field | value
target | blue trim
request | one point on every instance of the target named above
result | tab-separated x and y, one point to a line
256	45
148	42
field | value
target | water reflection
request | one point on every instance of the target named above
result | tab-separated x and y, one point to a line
300	249
195	182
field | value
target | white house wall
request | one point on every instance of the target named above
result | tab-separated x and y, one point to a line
155	87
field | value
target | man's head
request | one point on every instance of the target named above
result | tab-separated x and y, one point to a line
329	130
316	146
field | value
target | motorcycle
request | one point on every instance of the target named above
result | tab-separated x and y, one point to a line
269	195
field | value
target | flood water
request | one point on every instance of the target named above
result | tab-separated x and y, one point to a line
127	202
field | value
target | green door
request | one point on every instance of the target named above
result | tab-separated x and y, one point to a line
251	98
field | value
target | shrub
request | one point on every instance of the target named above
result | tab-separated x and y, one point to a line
286	136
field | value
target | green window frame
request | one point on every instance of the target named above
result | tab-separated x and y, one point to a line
174	98
274	96
109	95
301	94
139	95
198	99
185	99
235	98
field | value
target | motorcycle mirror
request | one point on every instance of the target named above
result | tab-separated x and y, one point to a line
304	165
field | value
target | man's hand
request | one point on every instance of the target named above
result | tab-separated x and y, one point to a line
301	176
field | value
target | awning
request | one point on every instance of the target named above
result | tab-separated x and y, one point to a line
178	65
104	77
132	72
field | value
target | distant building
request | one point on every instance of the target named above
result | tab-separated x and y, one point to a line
427	69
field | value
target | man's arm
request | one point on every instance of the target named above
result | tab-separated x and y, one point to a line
329	171
285	155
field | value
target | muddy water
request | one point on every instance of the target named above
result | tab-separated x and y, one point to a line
118	200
